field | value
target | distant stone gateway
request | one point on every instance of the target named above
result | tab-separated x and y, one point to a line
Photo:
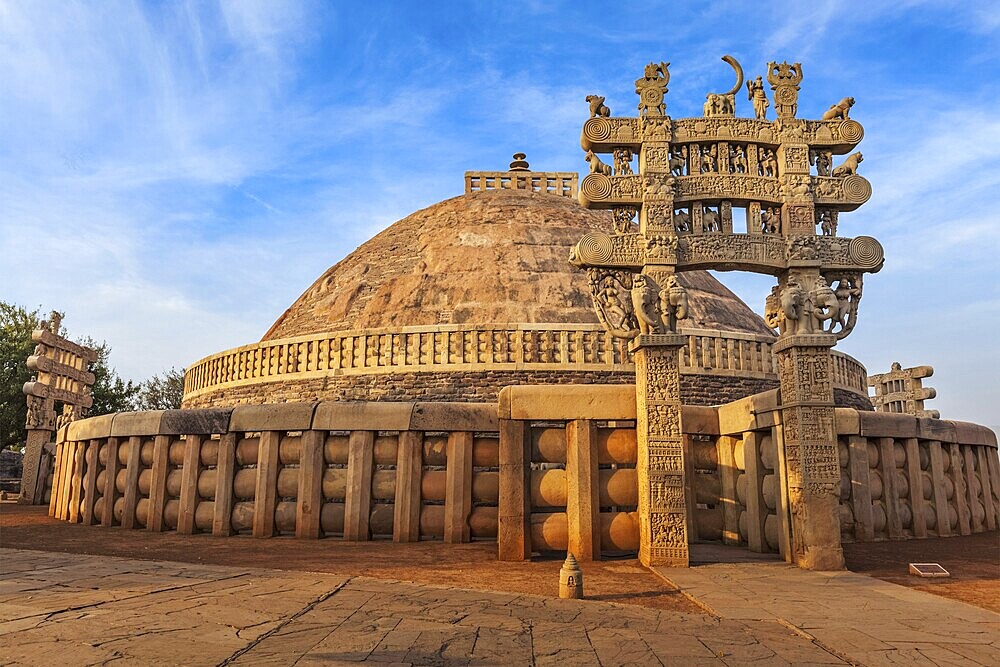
545	362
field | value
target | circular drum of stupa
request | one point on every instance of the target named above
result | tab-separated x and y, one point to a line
470	295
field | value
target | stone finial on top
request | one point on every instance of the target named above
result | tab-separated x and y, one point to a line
652	88
785	80
519	176
519	163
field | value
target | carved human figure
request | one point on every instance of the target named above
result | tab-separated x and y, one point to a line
822	160
39	415
678	159
710	221
623	158
622	219
711	106
850	165
738	158
596	166
709	153
682	221
797	187
645	303
756	95
801	247
848	292
828	222
768	165
673	303
773	316
597	107
769	221
840	110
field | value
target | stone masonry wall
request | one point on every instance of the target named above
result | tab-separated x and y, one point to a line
477	387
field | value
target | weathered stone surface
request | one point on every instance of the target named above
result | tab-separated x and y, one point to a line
279	417
90	428
497	256
203	422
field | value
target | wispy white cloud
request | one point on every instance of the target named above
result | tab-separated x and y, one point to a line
175	175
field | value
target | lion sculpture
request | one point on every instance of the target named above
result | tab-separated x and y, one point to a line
850	165
596	166
839	110
597	107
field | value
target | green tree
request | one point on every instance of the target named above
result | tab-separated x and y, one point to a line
16	325
162	393
110	392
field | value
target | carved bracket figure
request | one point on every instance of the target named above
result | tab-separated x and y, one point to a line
848	291
613	311
822	160
678	160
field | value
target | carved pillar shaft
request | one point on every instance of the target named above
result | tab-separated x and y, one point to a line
726	216
753	218
662	514
805	368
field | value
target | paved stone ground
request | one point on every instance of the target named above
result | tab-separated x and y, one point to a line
862	619
80	610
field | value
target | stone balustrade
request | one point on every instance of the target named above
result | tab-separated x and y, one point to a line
553	468
902	477
361	471
474	348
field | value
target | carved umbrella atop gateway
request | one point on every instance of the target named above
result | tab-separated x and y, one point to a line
691	174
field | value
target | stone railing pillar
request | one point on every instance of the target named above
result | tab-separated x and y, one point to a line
811	459
660	469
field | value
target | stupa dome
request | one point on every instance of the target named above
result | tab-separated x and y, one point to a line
498	256
475	293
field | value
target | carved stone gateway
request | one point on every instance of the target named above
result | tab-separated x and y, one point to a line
61	378
692	173
901	391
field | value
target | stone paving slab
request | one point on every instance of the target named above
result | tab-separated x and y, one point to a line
82	610
860	618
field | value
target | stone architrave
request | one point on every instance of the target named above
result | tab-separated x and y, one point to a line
61	376
814	305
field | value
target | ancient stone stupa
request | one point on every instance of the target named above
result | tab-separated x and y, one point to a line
511	365
470	295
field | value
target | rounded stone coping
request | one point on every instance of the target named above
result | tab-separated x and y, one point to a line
458	348
326	416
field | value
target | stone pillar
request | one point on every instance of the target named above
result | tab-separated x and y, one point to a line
32	473
812	467
662	515
753	217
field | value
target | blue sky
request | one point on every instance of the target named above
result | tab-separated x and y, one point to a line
174	175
